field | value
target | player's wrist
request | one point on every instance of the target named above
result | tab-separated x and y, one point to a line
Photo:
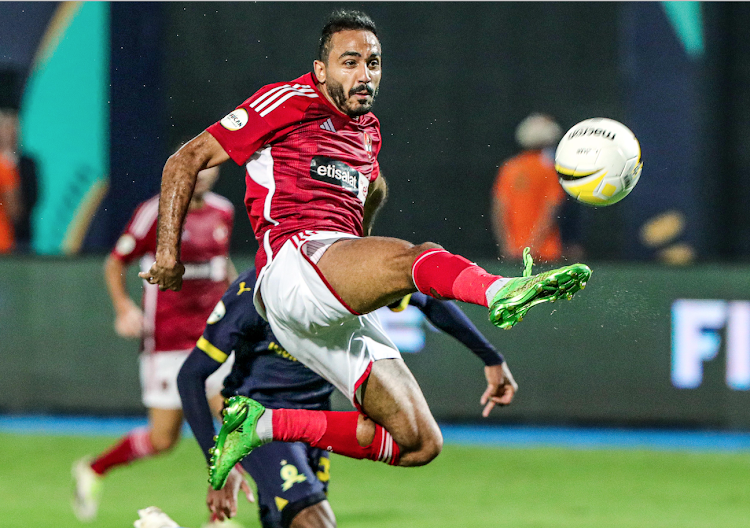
490	358
124	306
167	260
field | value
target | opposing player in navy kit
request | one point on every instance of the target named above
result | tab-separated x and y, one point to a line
310	150
292	478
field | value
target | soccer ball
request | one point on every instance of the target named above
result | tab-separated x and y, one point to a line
598	161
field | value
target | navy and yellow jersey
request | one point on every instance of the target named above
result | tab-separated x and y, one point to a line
262	369
290	476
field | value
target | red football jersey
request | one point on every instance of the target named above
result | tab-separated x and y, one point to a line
308	165
175	320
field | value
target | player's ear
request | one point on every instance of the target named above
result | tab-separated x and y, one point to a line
319	68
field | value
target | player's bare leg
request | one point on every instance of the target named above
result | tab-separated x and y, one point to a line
407	436
393	399
318	515
164	428
161	434
371	272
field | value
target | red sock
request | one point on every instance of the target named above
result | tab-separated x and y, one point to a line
134	446
333	431
443	275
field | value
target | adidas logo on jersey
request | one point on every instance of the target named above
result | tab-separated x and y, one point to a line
328	125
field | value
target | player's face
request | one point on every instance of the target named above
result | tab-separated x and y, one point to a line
205	181
352	76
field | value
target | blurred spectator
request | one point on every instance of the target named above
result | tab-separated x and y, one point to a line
10	204
25	169
526	196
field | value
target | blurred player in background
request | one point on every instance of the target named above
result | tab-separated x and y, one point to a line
25	167
292	478
168	325
10	204
310	149
527	197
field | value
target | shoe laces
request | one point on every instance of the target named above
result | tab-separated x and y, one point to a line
528	262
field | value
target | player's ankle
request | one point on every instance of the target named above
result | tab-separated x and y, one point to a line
264	427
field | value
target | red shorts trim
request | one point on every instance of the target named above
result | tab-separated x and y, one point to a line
357	385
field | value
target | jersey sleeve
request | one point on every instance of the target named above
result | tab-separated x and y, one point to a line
266	116
139	236
233	320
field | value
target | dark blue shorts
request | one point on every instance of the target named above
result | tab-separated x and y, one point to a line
290	477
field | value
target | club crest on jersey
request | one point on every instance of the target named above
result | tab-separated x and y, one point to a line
368	144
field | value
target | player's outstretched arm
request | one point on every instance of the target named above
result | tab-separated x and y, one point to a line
177	185
376	196
191	383
501	387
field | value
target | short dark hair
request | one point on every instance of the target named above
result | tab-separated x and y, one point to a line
342	20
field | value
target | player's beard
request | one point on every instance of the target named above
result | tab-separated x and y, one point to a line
336	91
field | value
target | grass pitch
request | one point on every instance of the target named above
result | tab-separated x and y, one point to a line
465	487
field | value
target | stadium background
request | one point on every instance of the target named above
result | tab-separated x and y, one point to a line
661	338
108	90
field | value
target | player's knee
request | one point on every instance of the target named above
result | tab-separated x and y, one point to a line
318	515
431	447
163	442
424	448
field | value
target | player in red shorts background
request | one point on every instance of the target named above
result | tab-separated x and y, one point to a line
310	148
168	325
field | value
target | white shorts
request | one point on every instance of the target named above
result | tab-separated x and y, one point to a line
159	378
312	323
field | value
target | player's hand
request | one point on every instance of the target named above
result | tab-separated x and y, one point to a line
223	502
153	517
129	321
168	277
501	387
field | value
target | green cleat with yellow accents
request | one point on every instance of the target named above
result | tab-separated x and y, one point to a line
512	301
236	439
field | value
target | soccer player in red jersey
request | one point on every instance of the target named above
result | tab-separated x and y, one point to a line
168	325
310	148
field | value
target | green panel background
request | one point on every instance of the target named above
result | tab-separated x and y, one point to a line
604	357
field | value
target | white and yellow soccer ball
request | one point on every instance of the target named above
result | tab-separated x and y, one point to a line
598	161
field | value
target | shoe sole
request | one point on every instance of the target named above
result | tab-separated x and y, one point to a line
236	414
564	283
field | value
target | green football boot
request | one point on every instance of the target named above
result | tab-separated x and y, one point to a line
513	300
236	439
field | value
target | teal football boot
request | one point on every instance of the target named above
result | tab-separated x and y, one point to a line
512	301
236	439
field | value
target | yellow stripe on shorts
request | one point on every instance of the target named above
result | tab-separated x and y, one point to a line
212	352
